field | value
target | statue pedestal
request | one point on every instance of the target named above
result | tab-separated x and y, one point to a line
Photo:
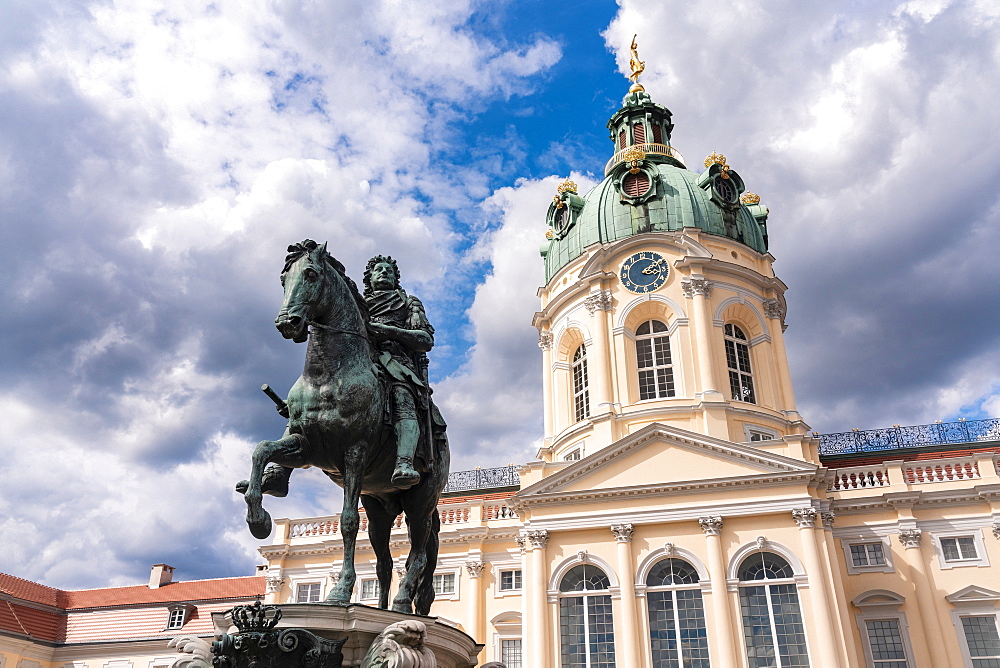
362	624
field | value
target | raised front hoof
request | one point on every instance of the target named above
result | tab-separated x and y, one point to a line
405	478
259	523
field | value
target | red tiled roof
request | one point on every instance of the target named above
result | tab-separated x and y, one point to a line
28	590
194	590
24	620
909	456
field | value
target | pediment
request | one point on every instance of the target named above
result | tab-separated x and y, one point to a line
662	456
974	595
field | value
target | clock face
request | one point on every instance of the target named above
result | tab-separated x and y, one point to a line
644	272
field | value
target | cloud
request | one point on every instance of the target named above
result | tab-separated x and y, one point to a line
154	164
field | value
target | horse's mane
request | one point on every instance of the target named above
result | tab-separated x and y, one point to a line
295	251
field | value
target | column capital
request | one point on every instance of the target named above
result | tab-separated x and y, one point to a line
910	537
545	339
274	583
829	517
475	568
623	532
711	525
522	543
599	300
697	286
537	537
773	310
805	517
996	530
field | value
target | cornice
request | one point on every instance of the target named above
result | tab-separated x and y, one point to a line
673	489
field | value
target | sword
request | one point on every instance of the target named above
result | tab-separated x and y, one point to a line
279	403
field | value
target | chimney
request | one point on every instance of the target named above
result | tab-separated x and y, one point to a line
160	575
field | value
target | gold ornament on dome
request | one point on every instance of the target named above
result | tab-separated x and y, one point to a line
637	66
558	201
550	234
750	198
567	186
720	160
633	156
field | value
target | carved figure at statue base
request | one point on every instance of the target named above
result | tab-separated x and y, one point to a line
400	645
361	411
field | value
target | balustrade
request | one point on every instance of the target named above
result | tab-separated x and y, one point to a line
941	470
858	477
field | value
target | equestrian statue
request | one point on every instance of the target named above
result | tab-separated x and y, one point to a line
362	412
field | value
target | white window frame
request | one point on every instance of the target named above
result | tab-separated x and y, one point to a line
981	560
875	615
574	455
846	544
499	648
655	368
185	609
361	589
456	572
750	429
508	590
298	585
971	611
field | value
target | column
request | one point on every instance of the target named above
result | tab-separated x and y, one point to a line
723	636
598	360
274	582
913	555
548	408
699	290
477	613
627	632
828	650
841	603
776	317
536	633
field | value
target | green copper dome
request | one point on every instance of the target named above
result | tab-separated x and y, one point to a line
647	188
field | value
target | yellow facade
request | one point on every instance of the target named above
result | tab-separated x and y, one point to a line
865	550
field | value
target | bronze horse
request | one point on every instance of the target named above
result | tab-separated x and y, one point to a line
337	422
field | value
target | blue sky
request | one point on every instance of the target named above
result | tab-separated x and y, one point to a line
156	159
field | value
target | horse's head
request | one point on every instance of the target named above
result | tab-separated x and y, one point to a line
306	279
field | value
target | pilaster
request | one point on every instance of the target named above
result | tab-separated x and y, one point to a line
911	540
723	640
536	633
829	650
627	634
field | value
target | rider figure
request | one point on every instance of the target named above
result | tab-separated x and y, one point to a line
403	333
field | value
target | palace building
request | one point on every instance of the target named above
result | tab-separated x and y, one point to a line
679	512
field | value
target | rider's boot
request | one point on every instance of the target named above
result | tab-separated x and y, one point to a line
407	435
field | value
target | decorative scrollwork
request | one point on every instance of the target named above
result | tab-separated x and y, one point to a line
893	438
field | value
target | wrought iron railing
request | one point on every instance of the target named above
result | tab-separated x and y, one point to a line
918	436
464	481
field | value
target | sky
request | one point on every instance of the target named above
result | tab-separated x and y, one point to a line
157	158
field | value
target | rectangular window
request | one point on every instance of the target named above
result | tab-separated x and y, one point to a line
510	580
176	619
886	643
959	548
510	653
573	456
369	590
867	554
444	583
307	593
983	640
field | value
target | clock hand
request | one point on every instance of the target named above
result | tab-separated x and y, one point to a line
653	268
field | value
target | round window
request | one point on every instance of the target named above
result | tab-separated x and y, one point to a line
635	185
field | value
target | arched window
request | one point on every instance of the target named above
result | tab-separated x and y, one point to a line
581	392
586	628
652	354
677	634
772	617
738	361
